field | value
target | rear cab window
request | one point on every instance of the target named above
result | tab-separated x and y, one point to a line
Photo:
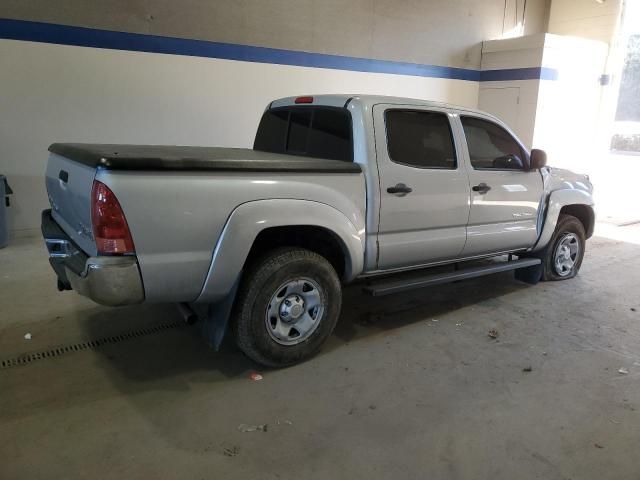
308	131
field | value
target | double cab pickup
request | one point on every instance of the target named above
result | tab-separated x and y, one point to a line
337	189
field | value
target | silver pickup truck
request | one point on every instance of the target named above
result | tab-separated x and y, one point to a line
337	188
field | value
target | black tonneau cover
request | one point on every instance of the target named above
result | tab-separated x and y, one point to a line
160	157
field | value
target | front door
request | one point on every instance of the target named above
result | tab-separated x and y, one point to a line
505	195
424	189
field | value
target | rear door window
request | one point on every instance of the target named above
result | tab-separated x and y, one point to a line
319	132
420	139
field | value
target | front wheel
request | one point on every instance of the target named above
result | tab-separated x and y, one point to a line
563	256
287	307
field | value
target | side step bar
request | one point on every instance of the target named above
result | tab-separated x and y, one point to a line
394	286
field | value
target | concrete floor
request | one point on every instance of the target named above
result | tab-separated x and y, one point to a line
410	386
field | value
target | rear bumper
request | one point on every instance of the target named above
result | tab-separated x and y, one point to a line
106	280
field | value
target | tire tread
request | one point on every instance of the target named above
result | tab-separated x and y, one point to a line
254	279
546	255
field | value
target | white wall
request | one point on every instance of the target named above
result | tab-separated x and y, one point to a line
55	93
516	106
599	21
523	52
585	18
436	32
560	116
568	113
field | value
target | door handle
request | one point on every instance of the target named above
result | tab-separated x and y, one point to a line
400	189
481	188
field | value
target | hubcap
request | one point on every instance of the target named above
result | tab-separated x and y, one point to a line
566	254
294	311
292	308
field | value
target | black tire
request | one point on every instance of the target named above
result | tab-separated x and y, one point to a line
567	224
261	282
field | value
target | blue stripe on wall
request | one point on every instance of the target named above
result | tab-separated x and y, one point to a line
90	37
531	73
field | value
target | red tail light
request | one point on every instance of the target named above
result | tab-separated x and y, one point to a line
304	100
110	228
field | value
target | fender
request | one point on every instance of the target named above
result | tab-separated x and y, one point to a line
249	219
557	200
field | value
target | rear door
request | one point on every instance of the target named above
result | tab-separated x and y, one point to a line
505	195
424	189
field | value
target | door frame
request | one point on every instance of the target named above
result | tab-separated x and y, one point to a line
382	156
465	152
488	118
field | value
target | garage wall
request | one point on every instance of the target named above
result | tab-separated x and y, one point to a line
571	104
74	94
437	32
514	101
595	20
55	88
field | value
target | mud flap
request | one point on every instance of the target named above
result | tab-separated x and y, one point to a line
530	275
216	321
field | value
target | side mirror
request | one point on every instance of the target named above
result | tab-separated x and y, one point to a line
538	159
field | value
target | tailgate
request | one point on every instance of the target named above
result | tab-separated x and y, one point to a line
69	186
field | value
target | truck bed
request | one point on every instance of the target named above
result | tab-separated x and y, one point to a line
177	200
181	158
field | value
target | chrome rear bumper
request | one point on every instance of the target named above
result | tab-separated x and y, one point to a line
106	280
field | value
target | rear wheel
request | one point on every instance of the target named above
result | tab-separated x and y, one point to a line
563	256
287	306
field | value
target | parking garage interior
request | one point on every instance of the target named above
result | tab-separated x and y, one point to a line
482	378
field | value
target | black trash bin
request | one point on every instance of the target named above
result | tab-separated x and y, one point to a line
5	191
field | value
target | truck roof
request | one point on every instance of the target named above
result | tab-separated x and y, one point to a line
340	100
